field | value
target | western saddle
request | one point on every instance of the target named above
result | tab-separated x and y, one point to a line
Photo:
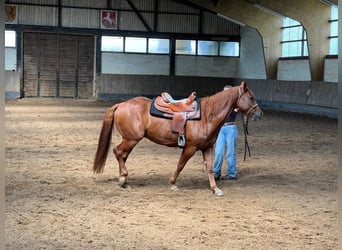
179	111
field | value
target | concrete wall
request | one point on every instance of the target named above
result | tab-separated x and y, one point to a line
299	70
120	63
252	60
331	70
147	64
206	66
294	70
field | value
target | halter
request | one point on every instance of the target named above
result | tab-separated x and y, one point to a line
245	123
251	107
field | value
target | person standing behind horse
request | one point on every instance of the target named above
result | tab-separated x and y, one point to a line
227	139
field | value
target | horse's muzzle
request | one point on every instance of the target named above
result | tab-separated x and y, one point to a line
258	114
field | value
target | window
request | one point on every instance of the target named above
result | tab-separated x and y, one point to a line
186	47
112	43
136	44
10	50
162	46
10	38
158	46
333	37
294	42
229	49
207	48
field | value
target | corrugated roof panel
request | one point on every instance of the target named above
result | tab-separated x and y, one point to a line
85	3
80	18
38	15
178	23
172	16
46	2
146	5
120	4
130	21
213	24
171	6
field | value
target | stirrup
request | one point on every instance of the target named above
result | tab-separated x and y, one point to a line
181	140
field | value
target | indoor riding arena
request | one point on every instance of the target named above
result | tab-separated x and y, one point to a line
66	68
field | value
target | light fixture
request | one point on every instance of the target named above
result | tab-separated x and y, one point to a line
231	20
273	12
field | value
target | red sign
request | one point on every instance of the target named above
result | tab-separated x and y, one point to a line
11	15
108	19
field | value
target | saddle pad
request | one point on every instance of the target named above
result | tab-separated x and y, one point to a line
156	112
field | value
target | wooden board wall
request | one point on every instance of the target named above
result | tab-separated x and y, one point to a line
58	65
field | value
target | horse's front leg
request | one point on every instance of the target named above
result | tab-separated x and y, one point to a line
187	153
208	161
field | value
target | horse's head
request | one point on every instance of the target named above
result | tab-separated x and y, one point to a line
247	103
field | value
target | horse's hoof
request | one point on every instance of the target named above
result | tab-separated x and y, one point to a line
127	187
217	191
174	188
123	185
123	182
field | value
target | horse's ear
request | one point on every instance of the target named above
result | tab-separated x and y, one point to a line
243	84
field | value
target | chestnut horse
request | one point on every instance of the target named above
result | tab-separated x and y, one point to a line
133	121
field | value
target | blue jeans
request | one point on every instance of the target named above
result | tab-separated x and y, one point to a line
227	138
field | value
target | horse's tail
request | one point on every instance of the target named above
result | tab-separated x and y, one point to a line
104	140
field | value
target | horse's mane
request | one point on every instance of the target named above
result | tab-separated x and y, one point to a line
219	102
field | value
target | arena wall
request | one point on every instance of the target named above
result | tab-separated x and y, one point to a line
318	98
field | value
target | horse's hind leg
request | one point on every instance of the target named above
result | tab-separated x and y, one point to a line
122	152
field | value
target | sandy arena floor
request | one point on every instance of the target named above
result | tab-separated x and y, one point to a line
285	196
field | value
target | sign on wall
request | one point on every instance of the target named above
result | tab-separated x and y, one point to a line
11	14
108	19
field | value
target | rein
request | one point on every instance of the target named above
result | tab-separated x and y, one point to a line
245	125
245	131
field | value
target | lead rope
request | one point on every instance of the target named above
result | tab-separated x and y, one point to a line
245	131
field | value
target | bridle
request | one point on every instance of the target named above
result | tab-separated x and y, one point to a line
245	120
251	107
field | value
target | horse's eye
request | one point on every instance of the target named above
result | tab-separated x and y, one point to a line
251	98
